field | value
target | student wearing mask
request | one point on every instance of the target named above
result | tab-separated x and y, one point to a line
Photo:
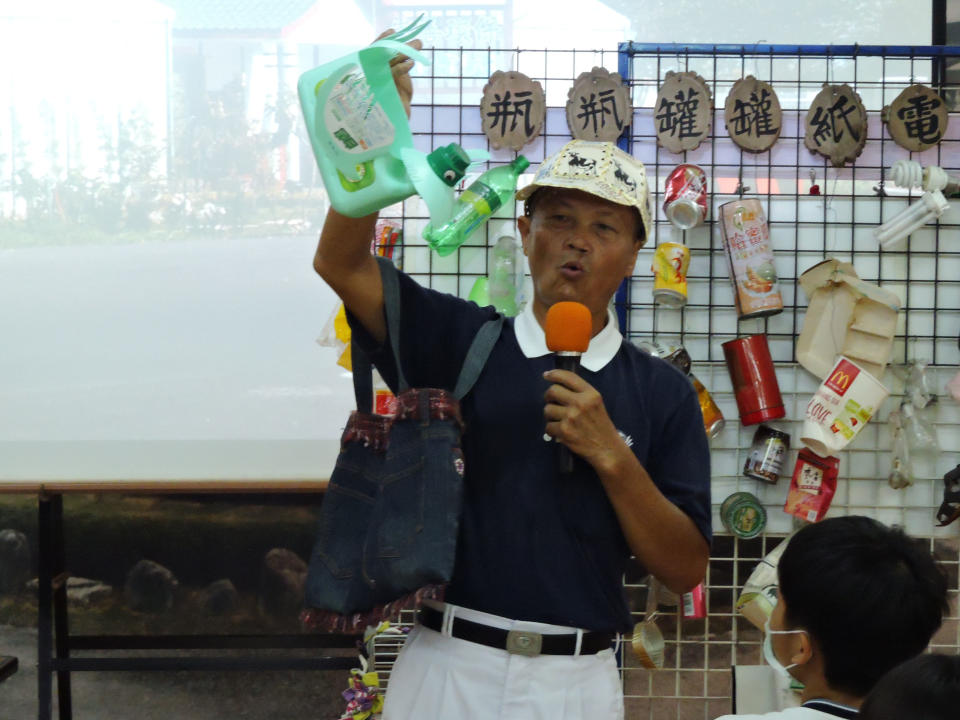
856	598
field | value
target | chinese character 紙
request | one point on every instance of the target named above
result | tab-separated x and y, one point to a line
597	108
507	108
754	117
919	120
684	118
827	121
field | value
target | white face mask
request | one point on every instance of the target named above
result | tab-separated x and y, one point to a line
768	654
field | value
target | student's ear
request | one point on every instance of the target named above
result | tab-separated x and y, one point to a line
803	650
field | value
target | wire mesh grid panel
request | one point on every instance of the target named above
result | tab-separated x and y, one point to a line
804	229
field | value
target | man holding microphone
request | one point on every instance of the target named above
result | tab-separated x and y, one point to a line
536	598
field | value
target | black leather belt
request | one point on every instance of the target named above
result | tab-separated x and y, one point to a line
518	642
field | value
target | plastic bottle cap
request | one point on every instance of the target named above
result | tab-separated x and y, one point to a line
520	164
450	163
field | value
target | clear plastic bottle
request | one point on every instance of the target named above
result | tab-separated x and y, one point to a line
476	205
502	283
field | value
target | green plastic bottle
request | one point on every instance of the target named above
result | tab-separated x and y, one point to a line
476	205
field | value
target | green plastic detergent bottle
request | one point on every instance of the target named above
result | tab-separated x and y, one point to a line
361	138
475	206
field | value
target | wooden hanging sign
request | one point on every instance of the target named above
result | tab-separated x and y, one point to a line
917	119
836	125
512	109
684	111
752	114
598	106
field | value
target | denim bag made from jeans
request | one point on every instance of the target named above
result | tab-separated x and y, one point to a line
391	514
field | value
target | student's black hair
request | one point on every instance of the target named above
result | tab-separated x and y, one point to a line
926	687
542	192
869	596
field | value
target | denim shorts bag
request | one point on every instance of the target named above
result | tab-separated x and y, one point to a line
390	517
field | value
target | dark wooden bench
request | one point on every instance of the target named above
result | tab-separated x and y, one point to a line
8	666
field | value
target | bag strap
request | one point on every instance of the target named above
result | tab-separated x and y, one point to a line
477	355
362	378
391	305
359	360
473	364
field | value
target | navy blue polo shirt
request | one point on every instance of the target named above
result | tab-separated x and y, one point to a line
535	545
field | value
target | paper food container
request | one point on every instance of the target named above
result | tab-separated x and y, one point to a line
845	316
759	593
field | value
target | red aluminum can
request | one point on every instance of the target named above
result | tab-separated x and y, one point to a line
754	379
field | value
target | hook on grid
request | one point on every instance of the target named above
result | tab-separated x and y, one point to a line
756	58
741	188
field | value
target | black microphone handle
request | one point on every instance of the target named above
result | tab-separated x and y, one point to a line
569	362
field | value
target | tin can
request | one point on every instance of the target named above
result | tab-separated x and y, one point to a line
754	379
713	420
676	355
685	197
767	453
670	263
743	515
746	239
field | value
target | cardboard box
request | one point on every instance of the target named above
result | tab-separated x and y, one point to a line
845	316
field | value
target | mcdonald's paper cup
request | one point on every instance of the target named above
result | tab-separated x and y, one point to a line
842	405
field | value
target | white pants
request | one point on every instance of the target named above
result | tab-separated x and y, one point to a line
438	676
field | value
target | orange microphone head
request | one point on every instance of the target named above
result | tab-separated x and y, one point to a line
569	327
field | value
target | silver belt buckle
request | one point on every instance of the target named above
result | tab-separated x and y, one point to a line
521	642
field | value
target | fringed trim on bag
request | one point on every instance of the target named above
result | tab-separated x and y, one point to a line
329	621
373	431
441	405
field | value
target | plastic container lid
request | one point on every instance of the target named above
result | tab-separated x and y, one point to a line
450	163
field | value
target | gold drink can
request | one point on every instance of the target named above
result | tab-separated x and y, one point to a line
713	421
670	263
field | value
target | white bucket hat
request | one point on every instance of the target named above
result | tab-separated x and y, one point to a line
598	168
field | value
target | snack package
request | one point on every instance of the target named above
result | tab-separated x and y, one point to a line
386	241
812	487
694	605
336	334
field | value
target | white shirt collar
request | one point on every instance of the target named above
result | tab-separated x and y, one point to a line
602	349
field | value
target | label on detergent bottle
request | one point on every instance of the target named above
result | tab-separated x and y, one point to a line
353	116
475	204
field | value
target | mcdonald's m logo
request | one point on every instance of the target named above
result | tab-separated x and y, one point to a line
842	377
